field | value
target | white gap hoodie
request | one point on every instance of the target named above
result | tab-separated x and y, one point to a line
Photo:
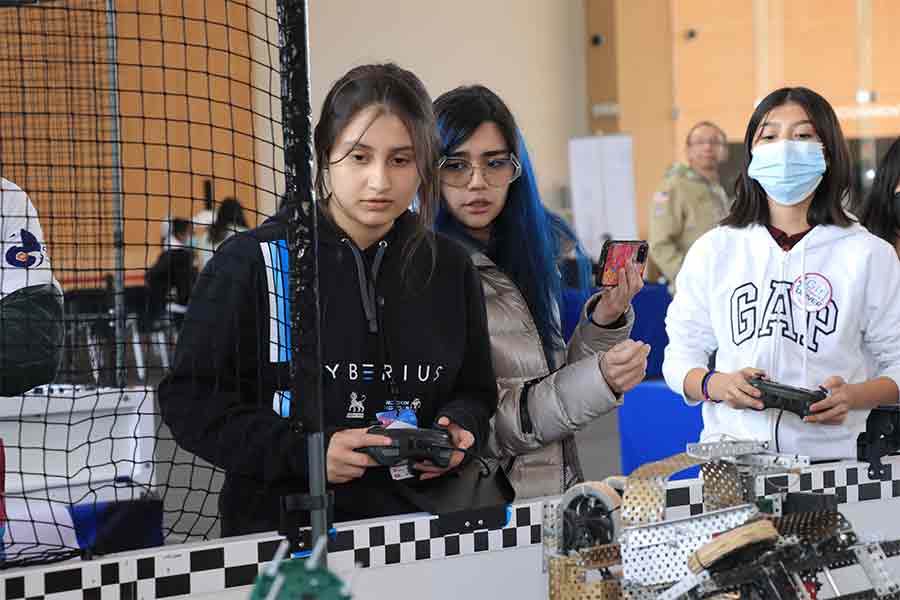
738	292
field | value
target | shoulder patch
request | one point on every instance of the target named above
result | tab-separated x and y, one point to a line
28	255
660	202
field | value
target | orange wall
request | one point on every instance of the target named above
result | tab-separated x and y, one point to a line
677	62
185	97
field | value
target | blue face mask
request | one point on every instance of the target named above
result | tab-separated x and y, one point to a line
788	170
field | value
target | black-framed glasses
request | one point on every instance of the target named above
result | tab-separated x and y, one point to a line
497	172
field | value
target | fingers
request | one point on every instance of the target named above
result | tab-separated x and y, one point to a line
455	459
614	301
832	416
737	398
426	466
627	351
343	462
752	373
734	390
749	390
462	438
345	473
629	285
831	410
826	403
368	439
430	471
833	382
746	395
625	365
635	281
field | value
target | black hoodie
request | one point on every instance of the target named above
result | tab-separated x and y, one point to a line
228	392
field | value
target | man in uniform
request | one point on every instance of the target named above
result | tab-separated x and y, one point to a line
690	200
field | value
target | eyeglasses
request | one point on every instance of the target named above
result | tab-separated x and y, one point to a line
497	172
708	142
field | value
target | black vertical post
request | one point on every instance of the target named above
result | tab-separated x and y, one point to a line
306	347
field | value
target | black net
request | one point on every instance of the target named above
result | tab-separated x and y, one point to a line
131	132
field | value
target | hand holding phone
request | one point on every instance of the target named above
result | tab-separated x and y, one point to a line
622	265
615	255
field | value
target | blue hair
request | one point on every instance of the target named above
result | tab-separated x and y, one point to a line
524	222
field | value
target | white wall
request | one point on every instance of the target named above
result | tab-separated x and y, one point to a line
531	52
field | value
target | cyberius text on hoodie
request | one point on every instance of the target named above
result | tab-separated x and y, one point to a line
779	315
370	372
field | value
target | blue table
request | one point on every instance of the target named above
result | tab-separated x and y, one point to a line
654	422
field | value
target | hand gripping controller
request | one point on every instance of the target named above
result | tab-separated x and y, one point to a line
417	444
792	399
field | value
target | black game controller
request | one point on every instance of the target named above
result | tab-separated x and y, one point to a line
413	443
792	399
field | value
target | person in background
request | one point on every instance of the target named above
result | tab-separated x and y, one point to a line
690	200
200	242
789	288
879	212
173	274
229	220
547	390
402	319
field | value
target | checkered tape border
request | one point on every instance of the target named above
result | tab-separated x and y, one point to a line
218	565
848	480
214	566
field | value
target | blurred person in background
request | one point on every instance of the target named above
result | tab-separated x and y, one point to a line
200	242
173	274
690	200
879	212
229	220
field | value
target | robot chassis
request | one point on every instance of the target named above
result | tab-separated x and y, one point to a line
609	540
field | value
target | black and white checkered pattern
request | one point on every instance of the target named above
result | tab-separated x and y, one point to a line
849	481
215	566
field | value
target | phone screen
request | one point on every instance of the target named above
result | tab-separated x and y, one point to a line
616	255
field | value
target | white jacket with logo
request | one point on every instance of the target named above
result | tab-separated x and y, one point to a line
739	293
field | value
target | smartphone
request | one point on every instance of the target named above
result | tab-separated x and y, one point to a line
615	255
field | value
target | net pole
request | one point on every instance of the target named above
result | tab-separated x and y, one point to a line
118	200
306	351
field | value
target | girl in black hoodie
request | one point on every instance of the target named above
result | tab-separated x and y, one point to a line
403	320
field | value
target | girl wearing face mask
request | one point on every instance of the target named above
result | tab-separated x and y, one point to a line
880	211
402	312
547	390
789	288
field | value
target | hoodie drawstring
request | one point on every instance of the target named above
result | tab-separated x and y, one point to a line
805	309
367	284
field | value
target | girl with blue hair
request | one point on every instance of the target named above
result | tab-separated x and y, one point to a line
547	390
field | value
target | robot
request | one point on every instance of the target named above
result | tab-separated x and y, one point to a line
610	539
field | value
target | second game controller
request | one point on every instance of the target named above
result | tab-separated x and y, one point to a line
792	399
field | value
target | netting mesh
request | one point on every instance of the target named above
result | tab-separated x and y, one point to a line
123	123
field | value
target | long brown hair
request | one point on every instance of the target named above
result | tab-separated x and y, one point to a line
402	94
751	204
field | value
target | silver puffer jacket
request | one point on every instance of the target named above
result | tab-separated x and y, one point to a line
544	460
